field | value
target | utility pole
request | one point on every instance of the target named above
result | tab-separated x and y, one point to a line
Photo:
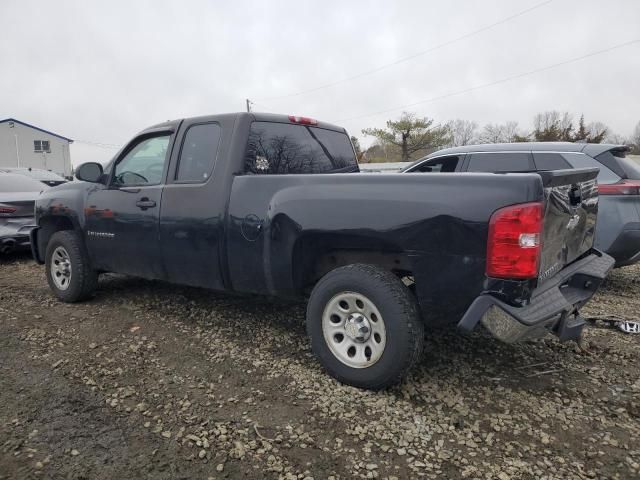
248	105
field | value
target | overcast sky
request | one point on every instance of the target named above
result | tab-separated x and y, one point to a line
102	71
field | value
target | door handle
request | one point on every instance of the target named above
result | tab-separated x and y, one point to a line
145	203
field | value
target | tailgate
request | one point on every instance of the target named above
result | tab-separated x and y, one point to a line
571	208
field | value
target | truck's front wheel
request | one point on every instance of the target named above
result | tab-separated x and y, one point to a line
364	326
69	272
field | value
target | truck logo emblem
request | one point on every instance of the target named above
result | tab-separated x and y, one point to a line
93	234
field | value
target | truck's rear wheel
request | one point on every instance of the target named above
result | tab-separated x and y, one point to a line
67	266
365	326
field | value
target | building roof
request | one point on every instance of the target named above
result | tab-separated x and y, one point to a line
36	128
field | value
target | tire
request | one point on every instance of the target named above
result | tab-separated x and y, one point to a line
66	253
392	327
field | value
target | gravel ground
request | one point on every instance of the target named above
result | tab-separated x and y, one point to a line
150	380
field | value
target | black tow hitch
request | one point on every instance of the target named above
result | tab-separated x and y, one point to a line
570	326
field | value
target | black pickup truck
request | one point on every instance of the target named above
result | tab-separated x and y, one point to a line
276	205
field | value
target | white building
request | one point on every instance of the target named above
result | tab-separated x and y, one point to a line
24	145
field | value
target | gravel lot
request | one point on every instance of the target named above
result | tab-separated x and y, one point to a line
150	380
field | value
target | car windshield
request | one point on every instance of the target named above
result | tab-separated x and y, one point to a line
10	182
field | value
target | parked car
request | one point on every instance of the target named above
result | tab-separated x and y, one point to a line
17	199
45	176
618	229
274	205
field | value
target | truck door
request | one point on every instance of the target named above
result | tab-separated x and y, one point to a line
122	218
193	208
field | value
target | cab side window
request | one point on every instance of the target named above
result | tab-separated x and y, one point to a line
550	161
144	164
438	165
198	154
501	162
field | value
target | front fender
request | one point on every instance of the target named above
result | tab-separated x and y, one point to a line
59	208
33	238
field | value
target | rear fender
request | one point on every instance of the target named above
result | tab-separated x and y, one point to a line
315	255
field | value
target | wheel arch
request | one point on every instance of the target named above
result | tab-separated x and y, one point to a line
47	226
313	256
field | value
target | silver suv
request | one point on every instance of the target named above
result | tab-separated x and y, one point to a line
618	228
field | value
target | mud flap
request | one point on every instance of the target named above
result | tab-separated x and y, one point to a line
570	327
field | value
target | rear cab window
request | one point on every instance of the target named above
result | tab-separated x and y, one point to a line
281	148
500	162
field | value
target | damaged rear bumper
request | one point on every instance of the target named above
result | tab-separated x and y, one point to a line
14	233
553	307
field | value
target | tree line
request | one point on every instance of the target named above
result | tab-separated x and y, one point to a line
411	137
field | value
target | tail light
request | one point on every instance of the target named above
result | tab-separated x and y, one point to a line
303	120
514	243
623	187
7	210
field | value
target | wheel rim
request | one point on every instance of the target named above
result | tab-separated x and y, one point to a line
354	330
61	268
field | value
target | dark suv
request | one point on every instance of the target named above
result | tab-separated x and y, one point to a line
618	228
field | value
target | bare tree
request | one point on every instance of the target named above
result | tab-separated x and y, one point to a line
616	139
510	131
635	139
491	133
501	133
463	132
597	132
553	126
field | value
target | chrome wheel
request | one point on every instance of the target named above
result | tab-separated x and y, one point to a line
61	268
354	330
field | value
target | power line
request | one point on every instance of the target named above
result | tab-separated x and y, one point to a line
411	57
496	82
260	104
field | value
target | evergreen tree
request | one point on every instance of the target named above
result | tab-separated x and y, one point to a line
411	134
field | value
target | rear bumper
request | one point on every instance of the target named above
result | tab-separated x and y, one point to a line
553	307
14	233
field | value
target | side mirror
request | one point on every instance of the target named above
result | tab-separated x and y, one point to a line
89	172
